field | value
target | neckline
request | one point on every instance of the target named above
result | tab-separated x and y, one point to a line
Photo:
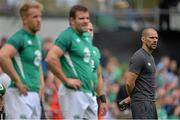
146	52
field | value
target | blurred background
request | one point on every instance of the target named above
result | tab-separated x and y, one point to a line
118	24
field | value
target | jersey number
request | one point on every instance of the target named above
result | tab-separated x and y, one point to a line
38	57
87	58
87	55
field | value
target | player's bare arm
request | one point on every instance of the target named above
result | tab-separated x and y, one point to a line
100	82
6	53
103	105
130	83
52	60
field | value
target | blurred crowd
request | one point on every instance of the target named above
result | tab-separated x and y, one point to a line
114	75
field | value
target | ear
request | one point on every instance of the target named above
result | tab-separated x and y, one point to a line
72	20
142	39
23	19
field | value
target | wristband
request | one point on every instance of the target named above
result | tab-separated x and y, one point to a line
123	91
102	98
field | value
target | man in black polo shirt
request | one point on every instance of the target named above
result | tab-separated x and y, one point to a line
140	84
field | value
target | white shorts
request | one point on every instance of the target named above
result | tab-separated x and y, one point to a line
77	104
20	106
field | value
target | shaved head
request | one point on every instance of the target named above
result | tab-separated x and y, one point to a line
149	39
147	31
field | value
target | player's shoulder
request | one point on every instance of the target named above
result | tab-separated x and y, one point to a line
138	55
67	33
39	37
17	35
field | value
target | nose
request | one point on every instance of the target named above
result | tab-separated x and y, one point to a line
86	20
156	39
39	19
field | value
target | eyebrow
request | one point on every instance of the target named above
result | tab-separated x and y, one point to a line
153	37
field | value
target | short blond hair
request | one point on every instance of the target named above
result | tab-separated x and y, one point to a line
23	10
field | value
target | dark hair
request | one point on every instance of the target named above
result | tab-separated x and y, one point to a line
76	8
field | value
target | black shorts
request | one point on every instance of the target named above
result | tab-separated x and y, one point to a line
144	110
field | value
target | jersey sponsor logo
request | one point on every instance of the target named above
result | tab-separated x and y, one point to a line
94	52
149	64
87	39
78	40
29	42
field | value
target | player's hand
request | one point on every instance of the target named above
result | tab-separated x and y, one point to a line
124	104
22	88
103	108
127	100
74	83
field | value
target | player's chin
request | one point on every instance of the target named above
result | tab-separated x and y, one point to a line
84	29
153	47
37	29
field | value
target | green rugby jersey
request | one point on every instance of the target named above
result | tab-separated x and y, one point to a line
28	58
95	62
76	62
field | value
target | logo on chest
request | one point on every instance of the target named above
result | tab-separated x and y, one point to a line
149	64
78	40
94	52
29	42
